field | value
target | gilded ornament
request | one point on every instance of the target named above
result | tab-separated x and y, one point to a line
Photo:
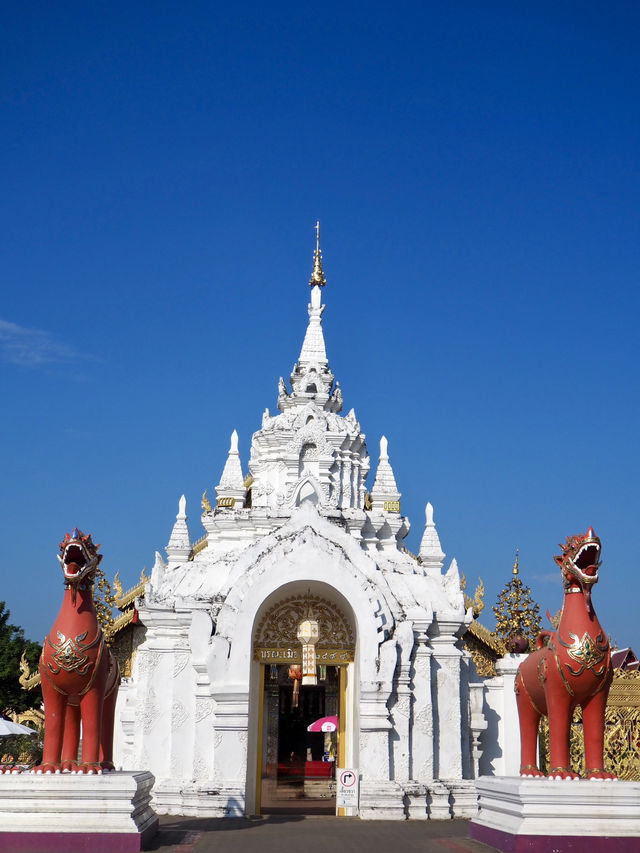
206	503
317	276
586	651
276	638
70	654
517	615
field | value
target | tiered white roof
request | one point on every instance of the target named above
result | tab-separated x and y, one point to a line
307	454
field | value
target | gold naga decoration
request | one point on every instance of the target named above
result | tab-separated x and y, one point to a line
28	680
104	601
199	545
206	503
477	604
481	644
517	615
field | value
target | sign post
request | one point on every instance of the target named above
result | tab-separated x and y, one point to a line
347	789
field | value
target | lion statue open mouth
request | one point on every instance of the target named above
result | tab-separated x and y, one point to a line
79	675
571	666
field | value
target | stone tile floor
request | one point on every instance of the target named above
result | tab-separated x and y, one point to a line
312	834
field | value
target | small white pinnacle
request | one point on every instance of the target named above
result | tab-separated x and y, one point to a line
429	513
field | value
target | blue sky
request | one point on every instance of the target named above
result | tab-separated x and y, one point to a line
475	170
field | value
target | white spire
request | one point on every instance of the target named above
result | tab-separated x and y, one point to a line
231	483
179	545
311	379
431	552
452	588
313	349
384	488
157	571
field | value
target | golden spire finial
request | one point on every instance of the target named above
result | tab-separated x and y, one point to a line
317	276
517	614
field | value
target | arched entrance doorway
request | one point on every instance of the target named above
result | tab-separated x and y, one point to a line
303	723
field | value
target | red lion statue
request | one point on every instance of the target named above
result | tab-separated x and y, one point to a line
571	666
79	675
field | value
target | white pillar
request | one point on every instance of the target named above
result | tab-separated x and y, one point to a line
401	709
445	682
422	718
380	797
507	667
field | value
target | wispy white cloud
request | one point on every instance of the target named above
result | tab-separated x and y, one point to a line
33	347
548	577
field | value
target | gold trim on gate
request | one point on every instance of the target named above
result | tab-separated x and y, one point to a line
342	725
258	805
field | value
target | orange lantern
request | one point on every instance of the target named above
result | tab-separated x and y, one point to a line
295	672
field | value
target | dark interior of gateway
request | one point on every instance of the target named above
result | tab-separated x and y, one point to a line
298	766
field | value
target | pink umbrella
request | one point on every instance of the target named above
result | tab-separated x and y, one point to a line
324	724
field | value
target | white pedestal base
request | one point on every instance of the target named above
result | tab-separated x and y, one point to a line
516	814
67	812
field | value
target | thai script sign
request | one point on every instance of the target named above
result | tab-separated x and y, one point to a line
330	657
347	788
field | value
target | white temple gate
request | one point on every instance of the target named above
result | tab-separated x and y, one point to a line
301	529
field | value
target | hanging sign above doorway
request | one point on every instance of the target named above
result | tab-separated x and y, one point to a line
331	657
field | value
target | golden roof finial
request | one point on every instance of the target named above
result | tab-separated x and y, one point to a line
317	276
517	614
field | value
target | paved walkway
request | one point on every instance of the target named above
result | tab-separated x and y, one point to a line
312	834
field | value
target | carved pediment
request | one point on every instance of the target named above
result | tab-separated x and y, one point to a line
278	628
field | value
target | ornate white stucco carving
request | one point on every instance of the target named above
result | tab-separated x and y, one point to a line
178	714
204	708
179	663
